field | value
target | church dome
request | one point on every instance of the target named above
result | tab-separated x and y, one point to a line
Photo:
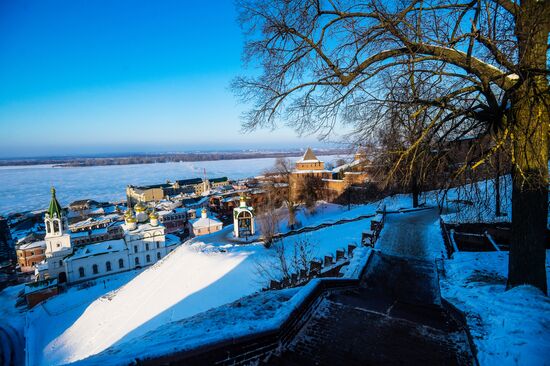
140	207
153	215
131	219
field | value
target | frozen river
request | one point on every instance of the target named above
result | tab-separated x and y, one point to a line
28	187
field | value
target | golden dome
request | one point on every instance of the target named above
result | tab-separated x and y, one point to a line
128	213
131	219
153	215
140	207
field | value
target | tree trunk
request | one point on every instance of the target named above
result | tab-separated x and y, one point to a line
529	126
415	189
291	215
497	185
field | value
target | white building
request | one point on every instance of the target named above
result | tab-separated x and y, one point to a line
206	225
144	243
96	260
58	240
243	220
144	237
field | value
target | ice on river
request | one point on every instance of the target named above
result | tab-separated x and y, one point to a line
28	187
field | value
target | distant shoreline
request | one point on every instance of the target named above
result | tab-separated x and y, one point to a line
73	162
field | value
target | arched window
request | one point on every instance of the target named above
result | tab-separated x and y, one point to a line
48	227
55	226
81	272
120	263
94	269
148	258
146	246
158	255
108	266
136	260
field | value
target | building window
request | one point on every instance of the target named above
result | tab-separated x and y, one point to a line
146	246
94	269
120	263
148	258
32	253
60	263
48	228
136	260
108	266
158	255
81	271
158	245
56	226
135	248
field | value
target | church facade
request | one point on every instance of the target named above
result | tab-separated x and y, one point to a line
144	243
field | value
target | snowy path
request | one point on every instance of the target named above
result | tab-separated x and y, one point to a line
412	234
398	304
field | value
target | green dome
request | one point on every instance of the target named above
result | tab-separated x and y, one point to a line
55	207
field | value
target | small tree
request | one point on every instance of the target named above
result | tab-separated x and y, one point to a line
268	222
310	190
280	189
285	259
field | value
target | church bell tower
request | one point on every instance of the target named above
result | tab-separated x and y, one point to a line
58	241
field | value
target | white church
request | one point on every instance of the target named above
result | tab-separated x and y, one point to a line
144	243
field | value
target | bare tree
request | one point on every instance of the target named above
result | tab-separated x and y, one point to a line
285	259
281	191
309	190
322	62
268	220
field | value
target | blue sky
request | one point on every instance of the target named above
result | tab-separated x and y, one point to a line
98	76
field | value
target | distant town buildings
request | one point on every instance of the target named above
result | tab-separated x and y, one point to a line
332	183
158	192
7	250
7	255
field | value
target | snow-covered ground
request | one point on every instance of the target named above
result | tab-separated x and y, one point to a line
325	213
260	312
509	327
414	234
203	273
9	314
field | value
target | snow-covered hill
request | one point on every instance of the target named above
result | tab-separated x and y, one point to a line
201	274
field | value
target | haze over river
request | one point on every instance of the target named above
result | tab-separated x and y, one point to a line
24	188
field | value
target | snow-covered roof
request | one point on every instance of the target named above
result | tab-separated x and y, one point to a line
311	171
142	227
205	222
309	157
36	244
41	267
99	231
104	247
40	285
346	166
163	213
